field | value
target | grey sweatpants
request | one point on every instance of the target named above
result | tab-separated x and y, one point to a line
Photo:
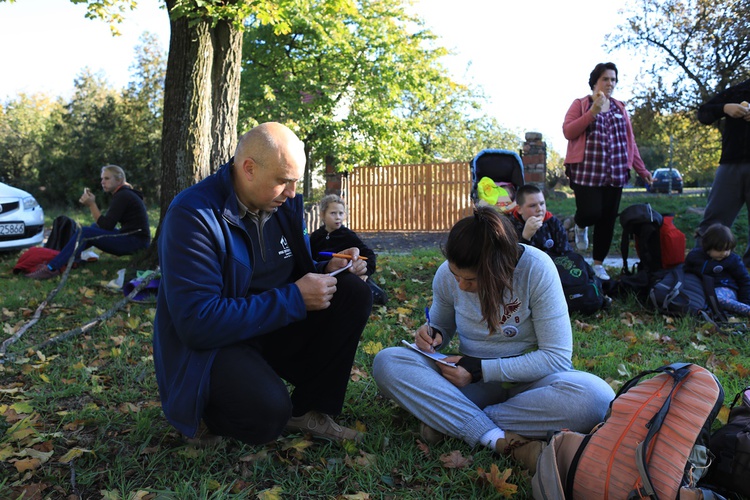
729	191
571	400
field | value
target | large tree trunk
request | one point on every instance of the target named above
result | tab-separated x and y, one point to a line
201	105
225	79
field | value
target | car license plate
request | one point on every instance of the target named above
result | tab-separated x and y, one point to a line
12	228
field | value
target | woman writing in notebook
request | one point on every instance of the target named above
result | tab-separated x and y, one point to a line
514	381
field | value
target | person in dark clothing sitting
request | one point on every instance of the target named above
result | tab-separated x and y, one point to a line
333	236
126	209
536	226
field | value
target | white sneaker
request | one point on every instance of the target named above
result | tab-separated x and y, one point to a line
582	237
600	272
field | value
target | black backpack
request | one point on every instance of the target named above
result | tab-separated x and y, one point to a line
679	293
641	223
63	229
582	288
730	445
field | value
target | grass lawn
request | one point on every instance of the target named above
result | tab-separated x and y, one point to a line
81	418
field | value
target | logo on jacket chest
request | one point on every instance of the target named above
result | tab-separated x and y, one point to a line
509	310
285	252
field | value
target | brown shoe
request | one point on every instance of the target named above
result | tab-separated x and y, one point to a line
203	437
43	273
522	450
430	435
322	426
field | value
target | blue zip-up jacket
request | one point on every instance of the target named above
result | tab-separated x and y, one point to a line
728	273
203	303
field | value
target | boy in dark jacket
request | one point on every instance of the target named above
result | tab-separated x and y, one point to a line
333	236
535	225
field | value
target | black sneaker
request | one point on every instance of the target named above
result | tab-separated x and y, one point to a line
379	296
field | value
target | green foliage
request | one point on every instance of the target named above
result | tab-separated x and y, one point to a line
54	149
677	138
363	87
693	48
23	127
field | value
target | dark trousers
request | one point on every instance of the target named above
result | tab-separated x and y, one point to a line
598	206
729	192
249	399
107	241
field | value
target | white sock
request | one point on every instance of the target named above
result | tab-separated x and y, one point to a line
489	439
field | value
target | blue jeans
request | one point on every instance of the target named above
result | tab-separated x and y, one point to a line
728	301
111	242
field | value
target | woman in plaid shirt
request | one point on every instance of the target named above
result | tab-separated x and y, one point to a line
601	152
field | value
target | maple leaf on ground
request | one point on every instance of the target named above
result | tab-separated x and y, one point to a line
424	448
499	481
454	460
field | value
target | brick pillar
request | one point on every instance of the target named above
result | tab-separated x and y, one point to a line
534	156
333	178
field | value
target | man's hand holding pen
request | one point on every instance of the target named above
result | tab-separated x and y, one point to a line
342	258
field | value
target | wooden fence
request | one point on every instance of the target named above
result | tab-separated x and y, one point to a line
416	198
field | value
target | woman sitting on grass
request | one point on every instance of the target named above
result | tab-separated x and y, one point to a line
514	381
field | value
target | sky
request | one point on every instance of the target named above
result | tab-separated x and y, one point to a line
531	59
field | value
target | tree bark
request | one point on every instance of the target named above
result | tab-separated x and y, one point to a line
225	78
201	106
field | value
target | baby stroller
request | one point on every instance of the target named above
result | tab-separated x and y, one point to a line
503	171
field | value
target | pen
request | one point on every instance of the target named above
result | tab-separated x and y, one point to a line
340	255
429	326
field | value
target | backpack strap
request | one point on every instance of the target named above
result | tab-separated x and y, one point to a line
678	371
624	244
712	300
574	466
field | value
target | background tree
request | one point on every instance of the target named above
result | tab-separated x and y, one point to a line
23	124
692	49
56	148
363	86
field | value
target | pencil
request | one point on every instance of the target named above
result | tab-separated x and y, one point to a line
340	255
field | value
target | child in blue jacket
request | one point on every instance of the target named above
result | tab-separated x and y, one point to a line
716	259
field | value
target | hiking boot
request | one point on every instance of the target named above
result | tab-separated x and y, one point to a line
430	435
582	237
43	273
522	450
322	426
600	272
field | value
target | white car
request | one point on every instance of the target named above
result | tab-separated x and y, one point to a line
21	219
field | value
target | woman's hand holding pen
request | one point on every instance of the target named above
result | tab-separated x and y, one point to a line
425	341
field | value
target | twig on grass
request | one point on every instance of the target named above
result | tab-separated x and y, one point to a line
38	313
147	277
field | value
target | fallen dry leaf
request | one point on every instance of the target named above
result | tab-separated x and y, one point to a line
499	481
454	460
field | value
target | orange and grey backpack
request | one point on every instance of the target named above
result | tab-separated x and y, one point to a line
652	445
